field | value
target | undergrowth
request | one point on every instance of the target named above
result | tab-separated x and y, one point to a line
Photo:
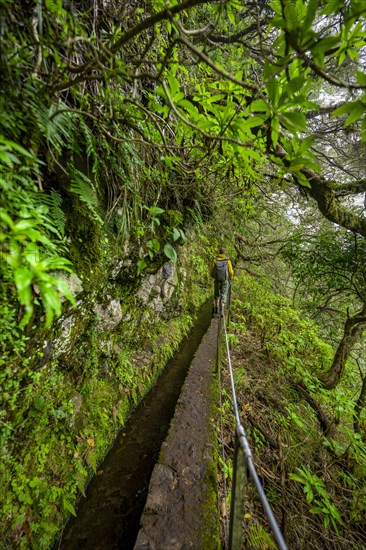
310	460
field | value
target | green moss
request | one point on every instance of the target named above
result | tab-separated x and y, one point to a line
211	534
64	410
85	235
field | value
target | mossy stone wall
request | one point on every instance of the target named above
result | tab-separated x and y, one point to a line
85	374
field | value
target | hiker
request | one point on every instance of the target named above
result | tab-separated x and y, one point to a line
222	272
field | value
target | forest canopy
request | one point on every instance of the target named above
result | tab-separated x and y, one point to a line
209	84
216	96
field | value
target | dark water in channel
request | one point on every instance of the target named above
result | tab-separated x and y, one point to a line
108	517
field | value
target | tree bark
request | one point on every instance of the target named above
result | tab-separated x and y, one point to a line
353	329
359	405
324	421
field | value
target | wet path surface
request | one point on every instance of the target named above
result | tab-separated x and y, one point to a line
108	517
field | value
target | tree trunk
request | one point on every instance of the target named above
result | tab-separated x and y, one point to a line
353	329
359	405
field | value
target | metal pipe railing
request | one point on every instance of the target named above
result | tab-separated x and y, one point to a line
243	465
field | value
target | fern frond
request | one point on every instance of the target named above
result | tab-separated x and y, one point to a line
54	124
91	459
257	537
196	214
88	135
124	219
53	202
83	187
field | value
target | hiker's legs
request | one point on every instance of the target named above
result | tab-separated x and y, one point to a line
223	288
223	291
220	294
216	296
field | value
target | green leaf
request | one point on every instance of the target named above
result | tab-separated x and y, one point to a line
256	120
295	477
154	210
7	145
275	125
269	69
259	106
50	300
176	234
64	289
291	16
357	112
169	160
361	78
141	264
173	85
332	7
170	252
23	279
188	106
306	143
273	89
154	245
294	85
325	44
68	506
6	218
8	158
296	120
310	13
316	510
253	154
343	109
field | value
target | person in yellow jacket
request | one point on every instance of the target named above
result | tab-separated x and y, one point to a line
222	272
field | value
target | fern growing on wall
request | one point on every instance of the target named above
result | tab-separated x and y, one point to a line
53	202
54	123
196	214
83	187
89	138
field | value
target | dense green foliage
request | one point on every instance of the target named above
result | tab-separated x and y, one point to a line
139	133
310	458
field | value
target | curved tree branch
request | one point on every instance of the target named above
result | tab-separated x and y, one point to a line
353	329
324	193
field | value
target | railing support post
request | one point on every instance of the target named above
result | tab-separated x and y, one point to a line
240	468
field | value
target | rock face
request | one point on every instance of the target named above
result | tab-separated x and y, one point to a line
108	315
74	282
181	508
63	341
156	290
155	298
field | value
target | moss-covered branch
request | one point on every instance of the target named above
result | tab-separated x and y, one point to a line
324	192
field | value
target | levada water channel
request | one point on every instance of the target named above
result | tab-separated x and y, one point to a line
108	516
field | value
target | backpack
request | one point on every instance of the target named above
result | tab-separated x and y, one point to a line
220	270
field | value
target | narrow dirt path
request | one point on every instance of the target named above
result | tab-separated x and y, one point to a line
181	511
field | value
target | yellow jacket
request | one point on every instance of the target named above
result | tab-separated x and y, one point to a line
229	265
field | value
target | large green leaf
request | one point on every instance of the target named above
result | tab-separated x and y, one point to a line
170	252
295	120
